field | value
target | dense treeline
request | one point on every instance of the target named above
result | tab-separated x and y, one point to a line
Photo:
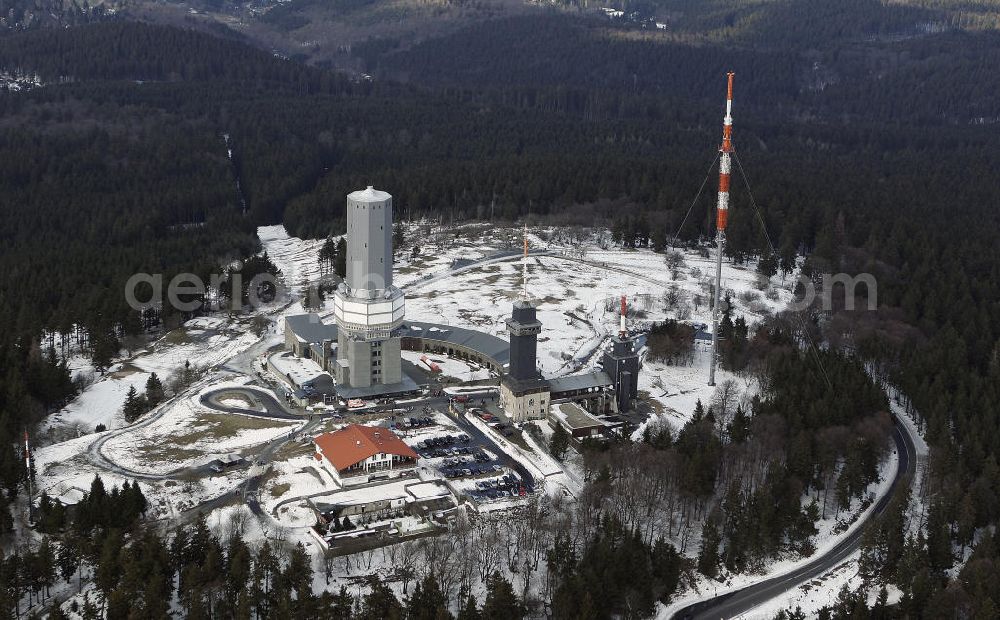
925	72
136	51
744	463
138	572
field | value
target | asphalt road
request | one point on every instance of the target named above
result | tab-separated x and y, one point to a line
95	452
742	601
273	409
251	488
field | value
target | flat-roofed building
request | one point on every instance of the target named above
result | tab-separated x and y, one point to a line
575	420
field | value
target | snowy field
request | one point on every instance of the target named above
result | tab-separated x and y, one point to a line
298	259
454	368
577	301
188	435
203	342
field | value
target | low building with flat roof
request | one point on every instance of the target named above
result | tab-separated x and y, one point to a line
575	420
308	337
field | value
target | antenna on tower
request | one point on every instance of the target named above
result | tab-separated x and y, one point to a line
722	216
621	329
524	266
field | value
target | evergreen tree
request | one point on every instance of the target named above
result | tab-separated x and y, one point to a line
469	609
55	612
380	603
768	264
328	256
154	390
341	262
501	603
134	406
68	557
398	236
559	442
427	602
708	556
297	575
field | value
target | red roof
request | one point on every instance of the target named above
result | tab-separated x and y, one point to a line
355	443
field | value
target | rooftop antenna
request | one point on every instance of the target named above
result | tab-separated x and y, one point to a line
524	266
722	215
621	328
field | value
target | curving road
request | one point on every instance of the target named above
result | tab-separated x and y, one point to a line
95	452
273	408
745	600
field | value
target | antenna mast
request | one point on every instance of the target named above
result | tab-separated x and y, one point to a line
722	216
524	266
27	467
621	329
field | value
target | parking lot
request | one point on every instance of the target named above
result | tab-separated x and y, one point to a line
458	456
507	486
475	468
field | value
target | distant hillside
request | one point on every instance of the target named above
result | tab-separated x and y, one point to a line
324	31
20	15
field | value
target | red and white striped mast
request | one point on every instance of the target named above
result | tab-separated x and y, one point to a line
721	217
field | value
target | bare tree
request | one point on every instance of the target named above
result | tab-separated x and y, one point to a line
671	297
675	262
487	547
724	402
462	533
406	563
238	520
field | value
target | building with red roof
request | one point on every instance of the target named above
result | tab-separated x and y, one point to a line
357	451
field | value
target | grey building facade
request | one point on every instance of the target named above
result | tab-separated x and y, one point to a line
523	327
369	242
368	308
524	394
621	363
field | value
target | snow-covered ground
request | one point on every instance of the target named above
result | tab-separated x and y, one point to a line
576	300
450	367
203	342
576	289
298	259
188	435
823	591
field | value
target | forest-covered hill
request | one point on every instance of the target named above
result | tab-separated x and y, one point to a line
870	146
